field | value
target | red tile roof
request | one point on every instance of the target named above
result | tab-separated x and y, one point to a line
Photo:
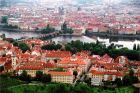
59	54
60	73
50	65
95	72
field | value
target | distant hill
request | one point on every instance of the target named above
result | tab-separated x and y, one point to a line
88	1
11	2
4	3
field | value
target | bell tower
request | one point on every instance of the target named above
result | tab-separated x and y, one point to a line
14	60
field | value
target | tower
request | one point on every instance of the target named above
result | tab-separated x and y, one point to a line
43	57
14	60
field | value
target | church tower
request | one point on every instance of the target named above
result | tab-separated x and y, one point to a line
14	60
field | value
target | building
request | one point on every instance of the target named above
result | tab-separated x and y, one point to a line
107	69
72	62
51	55
63	77
31	67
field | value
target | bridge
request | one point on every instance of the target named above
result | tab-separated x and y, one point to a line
53	34
43	36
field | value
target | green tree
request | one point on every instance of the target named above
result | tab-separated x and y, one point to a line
86	32
39	75
88	81
100	49
130	78
64	26
51	47
82	88
15	43
75	73
59	88
134	47
24	47
112	46
118	82
48	29
49	78
4	19
46	78
1	68
29	78
138	47
24	76
131	72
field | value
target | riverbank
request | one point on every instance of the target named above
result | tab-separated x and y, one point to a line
76	35
114	36
18	30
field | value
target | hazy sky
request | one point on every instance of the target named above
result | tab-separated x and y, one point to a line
106	1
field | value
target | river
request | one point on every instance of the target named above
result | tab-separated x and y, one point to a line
125	43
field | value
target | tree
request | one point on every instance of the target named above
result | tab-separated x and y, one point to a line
126	80
33	45
39	75
131	72
82	88
138	47
88	81
75	73
1	68
24	76
46	78
118	82
15	43
48	29
24	47
49	78
134	47
64	26
4	19
52	47
112	46
86	32
130	78
59	88
28	78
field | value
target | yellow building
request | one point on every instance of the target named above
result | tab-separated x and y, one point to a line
63	77
96	77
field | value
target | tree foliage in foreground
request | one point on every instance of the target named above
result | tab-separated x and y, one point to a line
44	78
25	77
67	88
130	79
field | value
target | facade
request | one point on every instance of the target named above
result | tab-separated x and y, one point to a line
107	69
63	77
